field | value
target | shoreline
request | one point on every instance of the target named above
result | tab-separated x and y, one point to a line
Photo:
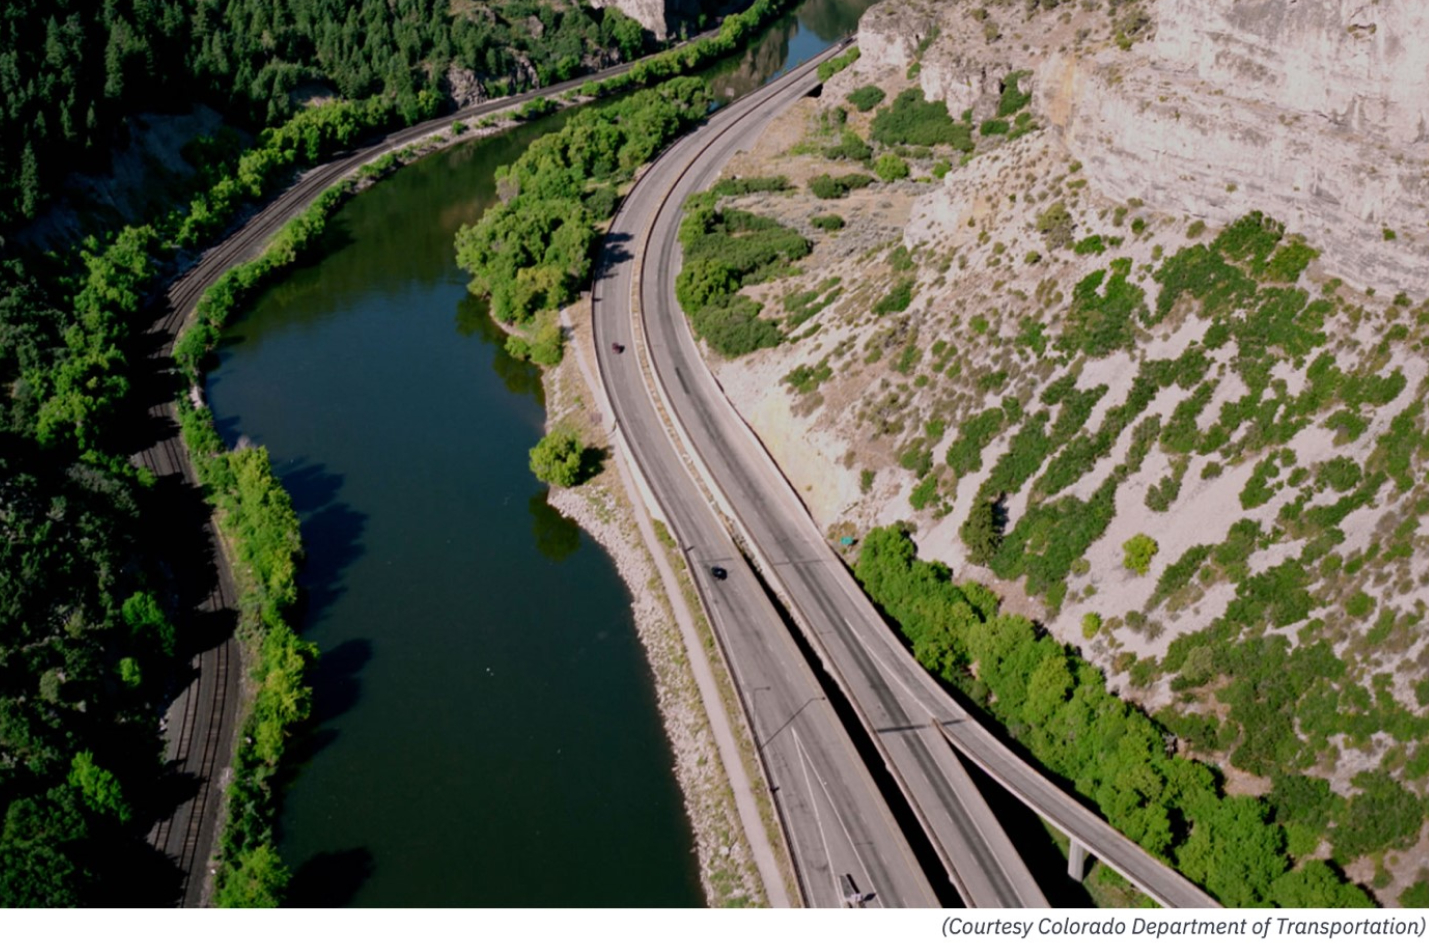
732	872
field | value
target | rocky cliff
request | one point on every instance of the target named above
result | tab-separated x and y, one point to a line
1314	112
665	18
1052	339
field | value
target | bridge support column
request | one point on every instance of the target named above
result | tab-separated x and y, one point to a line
1076	861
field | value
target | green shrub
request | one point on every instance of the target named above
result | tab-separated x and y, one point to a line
734	187
866	97
850	148
806	379
1091	624
1179	574
1250	240
1290	261
803	306
829	222
1055	225
925	492
993	126
1089	245
890	167
912	120
965	454
1099	323
1013	99
897	299
1359	605
826	187
1415	896
1139	551
557	458
827	70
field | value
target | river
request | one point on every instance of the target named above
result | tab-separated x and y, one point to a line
486	730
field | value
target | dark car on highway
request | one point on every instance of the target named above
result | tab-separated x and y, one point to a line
719	572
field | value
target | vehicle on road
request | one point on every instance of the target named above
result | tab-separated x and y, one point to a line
719	572
617	348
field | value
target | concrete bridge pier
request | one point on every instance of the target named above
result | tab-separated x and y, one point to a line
1076	861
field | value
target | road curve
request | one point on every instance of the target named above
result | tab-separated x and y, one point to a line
898	699
979	858
839	827
201	720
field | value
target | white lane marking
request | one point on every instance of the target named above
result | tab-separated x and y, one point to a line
804	758
888	672
814	800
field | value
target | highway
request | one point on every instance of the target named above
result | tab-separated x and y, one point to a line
835	819
910	717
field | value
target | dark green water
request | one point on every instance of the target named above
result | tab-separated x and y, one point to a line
487	732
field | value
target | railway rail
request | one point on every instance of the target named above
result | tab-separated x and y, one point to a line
200	744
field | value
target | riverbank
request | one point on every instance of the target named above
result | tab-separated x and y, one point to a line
741	862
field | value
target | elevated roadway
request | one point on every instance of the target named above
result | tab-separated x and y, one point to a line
911	719
761	654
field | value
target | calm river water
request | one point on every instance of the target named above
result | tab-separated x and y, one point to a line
487	733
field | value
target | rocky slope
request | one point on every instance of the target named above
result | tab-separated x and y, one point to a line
1066	329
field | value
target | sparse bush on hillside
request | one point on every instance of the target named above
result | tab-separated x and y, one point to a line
1139	551
1013	99
912	120
890	167
866	97
826	187
827	70
897	299
1056	226
850	148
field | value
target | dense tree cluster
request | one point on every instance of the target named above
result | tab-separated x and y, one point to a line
85	649
532	252
726	248
1058	706
70	72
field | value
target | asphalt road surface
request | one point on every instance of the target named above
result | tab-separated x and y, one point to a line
836	821
896	698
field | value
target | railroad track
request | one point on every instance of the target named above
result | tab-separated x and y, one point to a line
202	745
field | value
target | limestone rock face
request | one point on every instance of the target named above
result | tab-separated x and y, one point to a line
1312	111
889	34
1363	67
660	17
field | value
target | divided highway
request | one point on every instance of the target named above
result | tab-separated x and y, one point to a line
844	839
909	716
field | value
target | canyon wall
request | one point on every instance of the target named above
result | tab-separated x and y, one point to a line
1313	111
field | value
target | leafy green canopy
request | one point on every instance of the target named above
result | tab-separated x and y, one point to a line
725	250
1058	706
75	614
73	72
557	458
912	120
533	251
